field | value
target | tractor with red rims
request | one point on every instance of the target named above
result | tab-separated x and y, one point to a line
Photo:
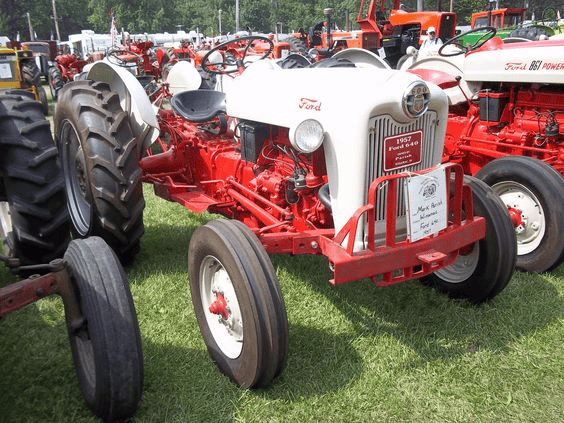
506	127
65	67
292	171
36	245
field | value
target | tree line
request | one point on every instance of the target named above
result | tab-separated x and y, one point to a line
153	16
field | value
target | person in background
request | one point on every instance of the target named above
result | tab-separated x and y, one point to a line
432	40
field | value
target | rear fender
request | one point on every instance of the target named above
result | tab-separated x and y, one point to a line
133	99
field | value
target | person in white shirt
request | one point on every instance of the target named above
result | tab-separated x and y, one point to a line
432	40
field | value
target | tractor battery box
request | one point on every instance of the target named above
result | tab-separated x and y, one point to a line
492	105
252	136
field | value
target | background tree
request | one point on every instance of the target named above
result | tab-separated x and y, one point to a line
140	16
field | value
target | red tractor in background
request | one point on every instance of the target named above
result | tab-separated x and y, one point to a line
66	66
387	36
506	126
140	52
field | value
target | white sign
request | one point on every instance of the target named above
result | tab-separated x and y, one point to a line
426	198
5	71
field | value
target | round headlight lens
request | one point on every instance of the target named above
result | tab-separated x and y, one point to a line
308	136
415	100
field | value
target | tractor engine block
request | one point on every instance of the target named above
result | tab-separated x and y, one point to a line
524	120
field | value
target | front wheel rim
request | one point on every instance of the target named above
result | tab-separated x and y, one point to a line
6	228
76	179
463	268
221	307
532	227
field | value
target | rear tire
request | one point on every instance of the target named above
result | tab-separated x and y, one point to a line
297	45
106	346
55	82
34	222
32	77
484	269
247	332
100	160
535	192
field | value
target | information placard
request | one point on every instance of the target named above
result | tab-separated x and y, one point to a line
426	198
402	150
5	71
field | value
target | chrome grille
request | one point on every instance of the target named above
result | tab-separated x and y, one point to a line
384	126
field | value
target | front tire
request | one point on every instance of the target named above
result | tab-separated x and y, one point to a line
34	221
238	303
482	270
100	160
533	192
106	346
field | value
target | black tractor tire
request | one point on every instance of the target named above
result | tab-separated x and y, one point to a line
275	292
32	77
43	100
34	222
535	191
106	344
483	270
55	82
247	335
294	61
100	161
532	33
297	45
31	73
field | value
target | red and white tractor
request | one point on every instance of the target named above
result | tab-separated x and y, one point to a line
335	159
506	126
35	239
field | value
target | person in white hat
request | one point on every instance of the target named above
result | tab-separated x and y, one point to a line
432	40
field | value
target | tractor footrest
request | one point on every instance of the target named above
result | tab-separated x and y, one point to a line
432	257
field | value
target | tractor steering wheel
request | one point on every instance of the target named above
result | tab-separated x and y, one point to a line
490	32
123	57
233	54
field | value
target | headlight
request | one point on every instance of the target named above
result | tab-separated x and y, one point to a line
415	99
308	136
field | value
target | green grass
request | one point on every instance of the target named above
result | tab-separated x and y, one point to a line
357	353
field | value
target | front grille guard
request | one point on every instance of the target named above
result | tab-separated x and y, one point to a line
397	261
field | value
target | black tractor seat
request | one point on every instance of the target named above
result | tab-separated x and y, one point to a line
198	105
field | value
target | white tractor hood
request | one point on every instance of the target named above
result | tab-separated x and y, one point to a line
526	62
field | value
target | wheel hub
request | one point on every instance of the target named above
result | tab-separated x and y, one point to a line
219	306
526	213
80	172
219	299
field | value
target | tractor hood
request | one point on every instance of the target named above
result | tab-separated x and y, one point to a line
332	96
526	62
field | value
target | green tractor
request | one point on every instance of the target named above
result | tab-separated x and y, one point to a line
510	24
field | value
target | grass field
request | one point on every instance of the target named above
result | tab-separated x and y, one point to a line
357	353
